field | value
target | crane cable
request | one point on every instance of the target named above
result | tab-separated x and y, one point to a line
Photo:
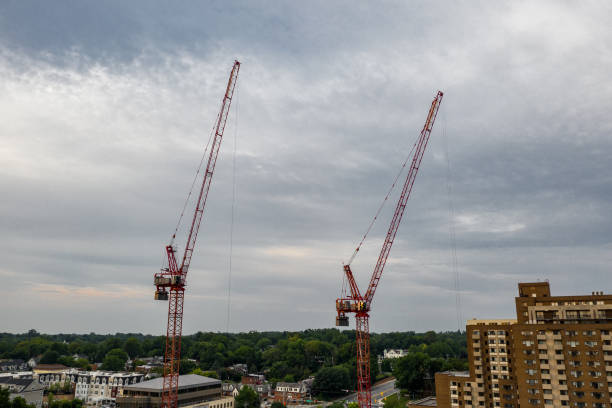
383	203
451	225
178	224
231	246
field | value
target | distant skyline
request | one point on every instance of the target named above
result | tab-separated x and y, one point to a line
107	106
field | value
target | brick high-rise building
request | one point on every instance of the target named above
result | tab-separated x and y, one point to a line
558	352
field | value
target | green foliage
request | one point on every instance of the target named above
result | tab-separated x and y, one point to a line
394	401
50	357
5	400
17	402
57	388
386	365
331	381
132	347
247	398
115	360
277	404
75	403
187	366
352	405
337	404
290	356
412	370
210	374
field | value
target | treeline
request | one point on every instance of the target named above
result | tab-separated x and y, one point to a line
282	356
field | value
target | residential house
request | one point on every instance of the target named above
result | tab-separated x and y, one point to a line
263	390
253	379
13	365
394	353
241	369
290	393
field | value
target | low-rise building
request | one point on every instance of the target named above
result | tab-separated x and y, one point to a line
28	389
229	389
253	379
263	390
13	365
290	393
193	391
394	353
101	387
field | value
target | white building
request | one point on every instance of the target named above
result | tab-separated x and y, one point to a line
394	353
92	387
98	387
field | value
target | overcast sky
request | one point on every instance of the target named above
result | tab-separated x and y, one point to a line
106	107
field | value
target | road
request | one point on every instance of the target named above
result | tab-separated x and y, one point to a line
379	392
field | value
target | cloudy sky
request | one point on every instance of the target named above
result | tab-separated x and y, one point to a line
106	108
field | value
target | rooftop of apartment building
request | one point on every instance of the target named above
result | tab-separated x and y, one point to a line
457	373
424	402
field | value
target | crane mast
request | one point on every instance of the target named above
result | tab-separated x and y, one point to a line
361	304
170	282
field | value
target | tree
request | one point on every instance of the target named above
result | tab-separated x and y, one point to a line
50	357
352	405
337	404
5	400
187	366
247	398
82	363
19	402
277	404
210	374
115	360
132	347
394	401
330	381
410	372
386	366
75	403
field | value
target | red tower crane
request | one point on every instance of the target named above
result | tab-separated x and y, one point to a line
360	304
170	282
